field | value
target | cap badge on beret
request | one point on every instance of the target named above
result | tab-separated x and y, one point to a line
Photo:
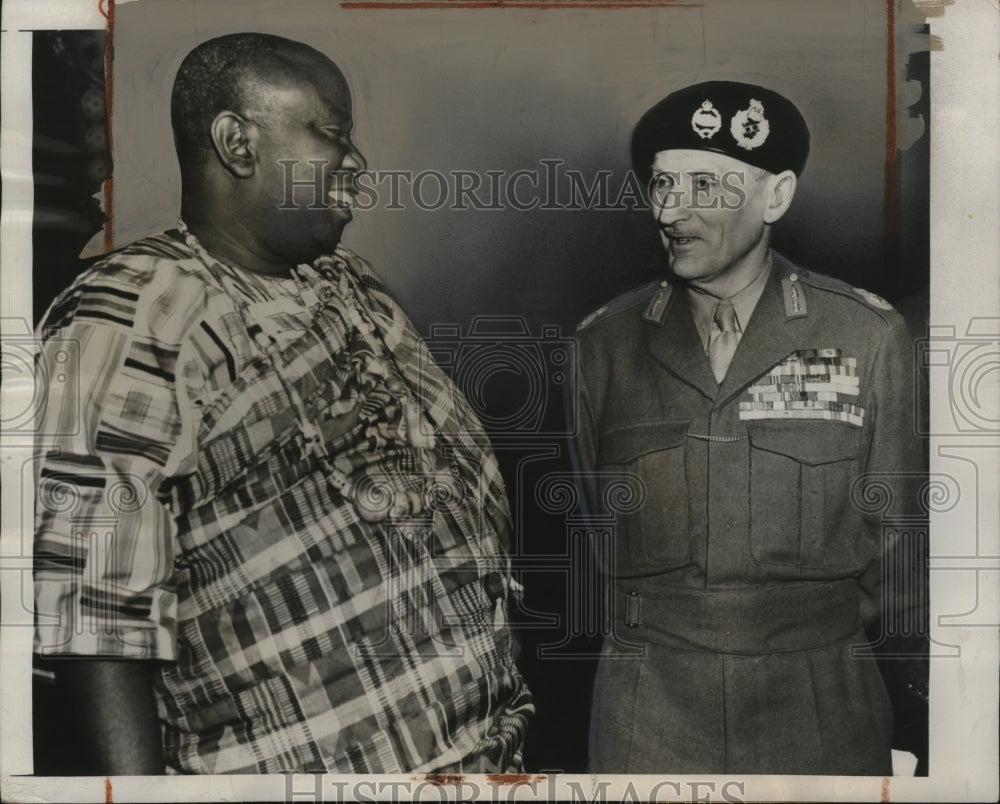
746	122
706	120
749	127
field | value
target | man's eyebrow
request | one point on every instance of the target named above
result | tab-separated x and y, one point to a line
342	122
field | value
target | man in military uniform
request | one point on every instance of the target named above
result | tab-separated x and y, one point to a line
750	405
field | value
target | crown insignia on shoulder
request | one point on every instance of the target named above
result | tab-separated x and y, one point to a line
590	319
873	299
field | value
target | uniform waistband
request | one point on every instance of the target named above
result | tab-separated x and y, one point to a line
772	619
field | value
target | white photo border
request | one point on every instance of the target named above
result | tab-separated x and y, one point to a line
965	582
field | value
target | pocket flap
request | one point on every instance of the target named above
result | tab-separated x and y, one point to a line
808	442
625	444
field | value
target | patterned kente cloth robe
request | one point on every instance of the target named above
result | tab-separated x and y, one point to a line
267	484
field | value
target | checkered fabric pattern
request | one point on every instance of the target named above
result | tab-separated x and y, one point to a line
186	520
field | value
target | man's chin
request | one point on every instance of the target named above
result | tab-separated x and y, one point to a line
343	215
685	269
328	240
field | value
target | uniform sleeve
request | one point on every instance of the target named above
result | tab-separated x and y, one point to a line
583	445
111	433
890	490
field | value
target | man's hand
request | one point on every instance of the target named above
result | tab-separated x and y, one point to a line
115	714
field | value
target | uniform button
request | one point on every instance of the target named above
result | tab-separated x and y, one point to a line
664	283
793	277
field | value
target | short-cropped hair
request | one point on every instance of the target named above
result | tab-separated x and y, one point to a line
218	75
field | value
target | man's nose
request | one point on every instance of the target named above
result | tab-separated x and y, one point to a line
674	206
354	159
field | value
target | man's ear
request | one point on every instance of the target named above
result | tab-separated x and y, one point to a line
233	138
780	191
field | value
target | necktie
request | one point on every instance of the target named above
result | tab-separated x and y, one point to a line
722	345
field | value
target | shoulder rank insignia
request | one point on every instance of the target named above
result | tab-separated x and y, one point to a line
873	299
590	319
795	297
658	304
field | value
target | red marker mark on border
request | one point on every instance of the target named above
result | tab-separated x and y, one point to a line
442	779
109	96
885	781
408	5
514	778
108	796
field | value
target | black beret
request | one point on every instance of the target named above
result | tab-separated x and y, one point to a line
744	121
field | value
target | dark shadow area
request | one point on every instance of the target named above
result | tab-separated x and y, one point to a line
70	161
70	158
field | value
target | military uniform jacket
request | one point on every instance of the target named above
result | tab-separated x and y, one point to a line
745	528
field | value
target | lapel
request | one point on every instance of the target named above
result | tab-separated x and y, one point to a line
676	346
768	339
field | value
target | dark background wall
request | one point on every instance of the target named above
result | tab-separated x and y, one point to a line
501	90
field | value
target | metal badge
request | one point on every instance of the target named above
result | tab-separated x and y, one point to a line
706	121
658	304
590	319
749	127
873	299
795	297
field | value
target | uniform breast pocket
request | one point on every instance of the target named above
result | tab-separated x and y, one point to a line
644	481
800	495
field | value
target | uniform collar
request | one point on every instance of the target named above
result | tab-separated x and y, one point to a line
744	301
767	338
